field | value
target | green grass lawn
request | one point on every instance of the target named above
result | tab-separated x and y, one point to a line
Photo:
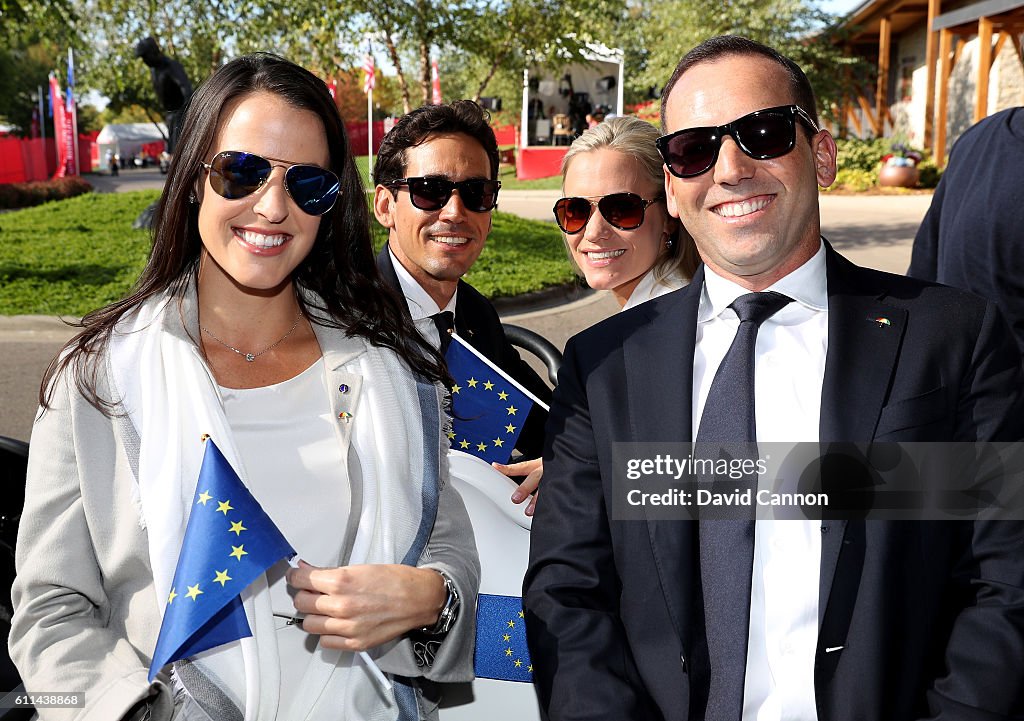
72	256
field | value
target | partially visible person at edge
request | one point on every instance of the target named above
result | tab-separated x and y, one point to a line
437	184
260	319
616	227
778	338
971	237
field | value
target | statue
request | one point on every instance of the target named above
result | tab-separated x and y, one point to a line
172	86
173	90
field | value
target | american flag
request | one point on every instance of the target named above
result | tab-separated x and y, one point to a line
369	82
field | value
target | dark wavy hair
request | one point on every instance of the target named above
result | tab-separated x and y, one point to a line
459	116
724	45
339	270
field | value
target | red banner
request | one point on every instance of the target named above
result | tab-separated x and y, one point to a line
63	131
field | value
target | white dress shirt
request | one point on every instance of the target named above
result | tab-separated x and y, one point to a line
789	369
421	305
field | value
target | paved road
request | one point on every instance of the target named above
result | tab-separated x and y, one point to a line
876	231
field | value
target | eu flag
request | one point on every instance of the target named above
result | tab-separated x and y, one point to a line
229	542
501	651
488	407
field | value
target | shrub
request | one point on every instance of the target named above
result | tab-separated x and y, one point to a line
24	195
929	174
854	179
858	154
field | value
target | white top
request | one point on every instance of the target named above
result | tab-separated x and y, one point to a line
788	376
649	288
285	434
421	305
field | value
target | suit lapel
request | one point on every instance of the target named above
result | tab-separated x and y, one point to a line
864	337
658	359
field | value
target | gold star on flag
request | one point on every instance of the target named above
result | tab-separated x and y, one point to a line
170	599
503	396
463	443
451	435
481	446
488	385
238	552
456	389
506	637
518	663
204	497
508	652
510	428
222	577
224	507
472	382
237	528
511	623
498	442
530	668
193	592
511	410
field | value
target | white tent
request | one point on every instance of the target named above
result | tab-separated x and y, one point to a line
127	139
569	89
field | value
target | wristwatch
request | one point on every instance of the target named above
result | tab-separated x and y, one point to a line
450	611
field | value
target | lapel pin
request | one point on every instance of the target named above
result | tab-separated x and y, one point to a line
881	321
345	416
343	388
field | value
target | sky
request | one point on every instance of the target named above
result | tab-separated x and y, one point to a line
839	7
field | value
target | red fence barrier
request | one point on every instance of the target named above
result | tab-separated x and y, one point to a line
24	159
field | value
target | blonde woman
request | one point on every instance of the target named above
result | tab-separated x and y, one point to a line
617	231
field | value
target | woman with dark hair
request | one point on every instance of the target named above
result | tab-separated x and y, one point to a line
260	323
616	228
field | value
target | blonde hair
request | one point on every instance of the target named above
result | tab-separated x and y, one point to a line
634	137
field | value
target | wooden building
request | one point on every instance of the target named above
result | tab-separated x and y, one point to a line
942	65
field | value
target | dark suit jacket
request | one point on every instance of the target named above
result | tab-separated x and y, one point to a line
614	609
477	322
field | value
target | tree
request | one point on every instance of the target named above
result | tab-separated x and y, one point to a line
797	28
508	35
32	36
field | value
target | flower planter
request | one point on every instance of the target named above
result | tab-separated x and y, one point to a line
898	176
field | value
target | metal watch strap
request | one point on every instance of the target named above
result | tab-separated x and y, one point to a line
450	611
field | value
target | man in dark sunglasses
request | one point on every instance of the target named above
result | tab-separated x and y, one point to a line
777	339
436	176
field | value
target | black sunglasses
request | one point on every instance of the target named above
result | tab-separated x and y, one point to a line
235	174
433	192
763	134
624	211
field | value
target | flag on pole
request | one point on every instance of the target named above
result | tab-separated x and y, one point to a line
61	131
370	81
71	81
229	542
435	81
488	406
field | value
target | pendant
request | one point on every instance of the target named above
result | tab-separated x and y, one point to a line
250	357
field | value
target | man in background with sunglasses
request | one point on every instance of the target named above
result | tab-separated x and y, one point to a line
777	339
437	184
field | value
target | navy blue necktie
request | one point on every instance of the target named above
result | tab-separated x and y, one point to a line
445	323
727	546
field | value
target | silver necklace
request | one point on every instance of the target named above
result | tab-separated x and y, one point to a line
250	357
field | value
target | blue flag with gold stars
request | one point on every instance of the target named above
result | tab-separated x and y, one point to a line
488	407
501	651
229	542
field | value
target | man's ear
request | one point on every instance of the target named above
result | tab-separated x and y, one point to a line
384	206
670	200
823	146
